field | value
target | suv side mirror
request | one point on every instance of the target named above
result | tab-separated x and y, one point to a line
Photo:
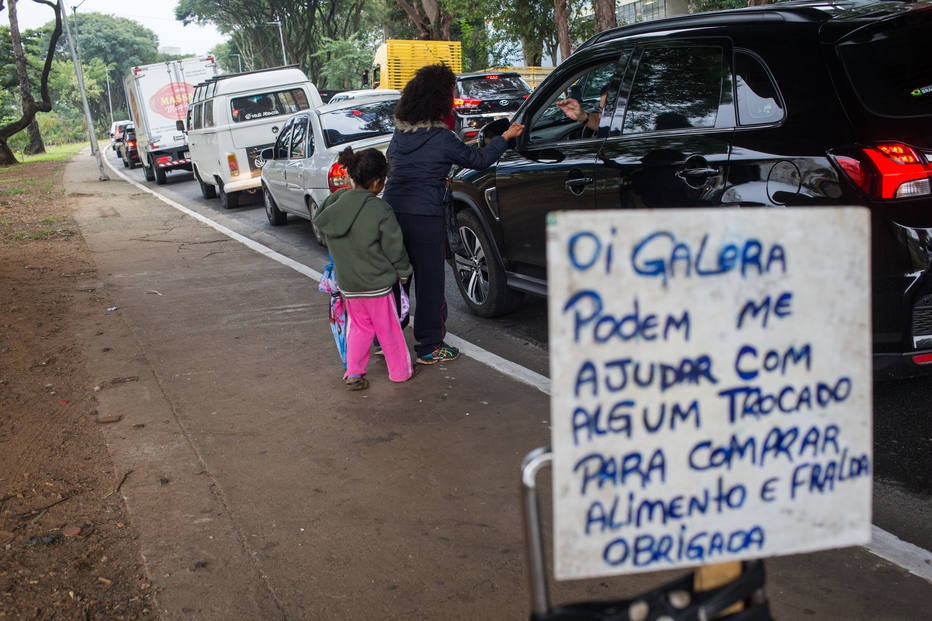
268	154
179	125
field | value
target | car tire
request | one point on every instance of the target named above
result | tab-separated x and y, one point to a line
208	190
229	201
276	216
147	170
311	210
125	163
479	275
158	173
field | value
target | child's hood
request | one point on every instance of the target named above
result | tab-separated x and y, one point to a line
340	211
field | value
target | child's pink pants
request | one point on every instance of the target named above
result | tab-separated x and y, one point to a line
376	317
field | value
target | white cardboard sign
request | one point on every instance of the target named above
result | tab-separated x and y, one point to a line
711	385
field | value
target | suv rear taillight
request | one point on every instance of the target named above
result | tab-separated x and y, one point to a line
888	170
462	103
338	178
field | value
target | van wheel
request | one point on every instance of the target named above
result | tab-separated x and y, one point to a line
311	210
276	216
160	177
207	189
479	276
229	201
147	171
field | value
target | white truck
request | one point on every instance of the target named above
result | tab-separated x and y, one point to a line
158	96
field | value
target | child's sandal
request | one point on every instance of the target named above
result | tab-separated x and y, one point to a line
357	383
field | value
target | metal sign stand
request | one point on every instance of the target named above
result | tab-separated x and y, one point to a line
675	601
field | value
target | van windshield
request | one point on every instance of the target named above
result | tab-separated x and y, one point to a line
267	105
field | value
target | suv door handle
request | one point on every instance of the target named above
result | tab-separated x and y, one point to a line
576	185
696	172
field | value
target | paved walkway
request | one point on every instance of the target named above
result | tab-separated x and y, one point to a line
262	489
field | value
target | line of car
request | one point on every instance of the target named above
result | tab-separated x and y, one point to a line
703	110
123	141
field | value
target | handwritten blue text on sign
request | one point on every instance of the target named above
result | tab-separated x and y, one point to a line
711	395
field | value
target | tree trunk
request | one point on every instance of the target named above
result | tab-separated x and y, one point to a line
429	18
36	144
6	154
561	19
533	52
604	11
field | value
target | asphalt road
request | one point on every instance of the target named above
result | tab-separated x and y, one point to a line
902	413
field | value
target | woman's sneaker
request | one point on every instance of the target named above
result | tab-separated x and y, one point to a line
441	353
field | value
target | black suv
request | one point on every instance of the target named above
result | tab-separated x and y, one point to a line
784	105
126	149
484	97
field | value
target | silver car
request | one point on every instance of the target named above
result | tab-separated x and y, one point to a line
301	170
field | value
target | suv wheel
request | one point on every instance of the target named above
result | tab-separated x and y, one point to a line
276	216
479	276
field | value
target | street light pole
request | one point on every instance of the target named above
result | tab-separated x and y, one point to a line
240	59
109	98
281	38
103	176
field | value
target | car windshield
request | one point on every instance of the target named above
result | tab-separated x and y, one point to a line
364	120
887	70
492	85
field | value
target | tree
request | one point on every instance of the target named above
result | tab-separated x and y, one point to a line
119	44
306	26
429	17
346	57
561	19
604	11
29	105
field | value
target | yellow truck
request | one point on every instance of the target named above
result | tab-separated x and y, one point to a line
396	60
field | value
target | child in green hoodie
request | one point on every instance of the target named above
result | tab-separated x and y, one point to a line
369	257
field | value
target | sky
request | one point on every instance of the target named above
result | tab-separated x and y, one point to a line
157	15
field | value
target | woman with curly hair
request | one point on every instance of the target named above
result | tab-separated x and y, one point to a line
422	150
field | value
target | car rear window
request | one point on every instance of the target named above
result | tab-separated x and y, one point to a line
492	85
888	67
266	105
364	120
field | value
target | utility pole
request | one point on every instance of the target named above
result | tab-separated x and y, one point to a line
109	98
79	72
281	38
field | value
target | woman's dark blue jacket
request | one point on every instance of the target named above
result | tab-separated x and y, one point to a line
419	159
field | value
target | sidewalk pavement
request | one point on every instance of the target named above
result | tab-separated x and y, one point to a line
262	489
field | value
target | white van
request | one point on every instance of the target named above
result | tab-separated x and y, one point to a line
232	118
